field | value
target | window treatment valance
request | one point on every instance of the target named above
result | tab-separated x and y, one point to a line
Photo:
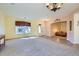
22	23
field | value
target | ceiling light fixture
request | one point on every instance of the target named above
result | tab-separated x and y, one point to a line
54	6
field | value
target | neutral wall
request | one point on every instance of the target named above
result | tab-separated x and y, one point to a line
58	26
47	28
7	27
70	34
73	36
76	28
55	27
64	26
2	26
10	28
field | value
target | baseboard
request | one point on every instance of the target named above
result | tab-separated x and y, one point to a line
17	38
73	42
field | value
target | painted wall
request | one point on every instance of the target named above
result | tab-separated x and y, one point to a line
47	28
10	28
73	36
2	26
55	27
63	26
58	26
70	34
76	28
7	27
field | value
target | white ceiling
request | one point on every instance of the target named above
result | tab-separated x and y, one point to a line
37	10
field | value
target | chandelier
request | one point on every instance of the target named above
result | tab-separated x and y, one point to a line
54	6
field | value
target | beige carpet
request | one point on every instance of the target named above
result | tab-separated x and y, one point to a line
37	46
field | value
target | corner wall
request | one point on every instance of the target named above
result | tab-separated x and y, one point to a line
7	27
10	28
2	26
76	28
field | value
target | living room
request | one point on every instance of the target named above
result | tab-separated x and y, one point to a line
27	24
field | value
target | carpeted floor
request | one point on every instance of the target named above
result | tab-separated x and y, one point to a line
37	46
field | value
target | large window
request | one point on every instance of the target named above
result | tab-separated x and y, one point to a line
22	27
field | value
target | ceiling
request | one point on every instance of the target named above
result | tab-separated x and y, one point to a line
37	10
